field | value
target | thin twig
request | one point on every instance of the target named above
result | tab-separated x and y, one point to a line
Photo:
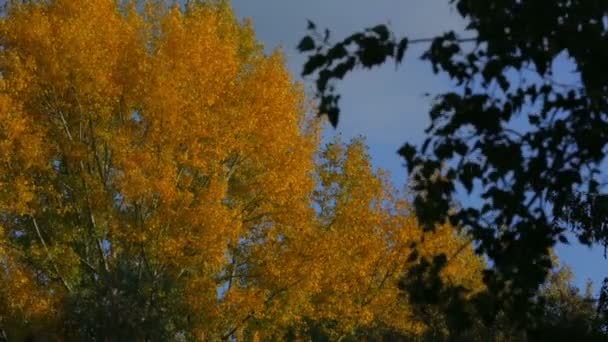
429	40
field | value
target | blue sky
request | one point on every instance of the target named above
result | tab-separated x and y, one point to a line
387	105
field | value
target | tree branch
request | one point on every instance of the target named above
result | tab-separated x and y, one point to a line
49	256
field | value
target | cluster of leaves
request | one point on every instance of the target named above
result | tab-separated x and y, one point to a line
364	49
530	146
161	180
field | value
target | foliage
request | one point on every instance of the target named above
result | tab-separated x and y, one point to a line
368	237
510	132
565	314
160	180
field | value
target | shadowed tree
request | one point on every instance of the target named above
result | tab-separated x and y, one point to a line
510	133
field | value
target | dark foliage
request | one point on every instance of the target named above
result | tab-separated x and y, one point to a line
536	182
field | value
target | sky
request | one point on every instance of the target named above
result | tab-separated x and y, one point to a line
387	106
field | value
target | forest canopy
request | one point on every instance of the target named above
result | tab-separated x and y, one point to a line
162	179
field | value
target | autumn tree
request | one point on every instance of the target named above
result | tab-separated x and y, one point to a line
133	185
160	180
365	240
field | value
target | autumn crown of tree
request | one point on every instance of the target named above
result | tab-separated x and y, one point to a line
160	178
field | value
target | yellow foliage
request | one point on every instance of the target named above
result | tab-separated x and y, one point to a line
155	162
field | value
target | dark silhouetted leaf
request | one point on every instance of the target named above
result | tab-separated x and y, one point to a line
311	25
306	44
401	50
314	63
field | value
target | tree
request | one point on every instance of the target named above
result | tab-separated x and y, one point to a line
536	182
159	181
367	237
566	314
